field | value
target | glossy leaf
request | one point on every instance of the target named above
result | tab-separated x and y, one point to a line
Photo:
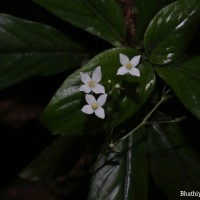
122	174
174	164
29	48
171	31
183	77
63	114
101	18
150	8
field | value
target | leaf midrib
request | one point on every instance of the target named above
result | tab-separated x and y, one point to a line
104	21
128	167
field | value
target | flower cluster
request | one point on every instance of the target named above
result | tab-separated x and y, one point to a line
92	84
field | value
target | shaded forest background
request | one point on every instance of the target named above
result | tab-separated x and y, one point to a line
22	136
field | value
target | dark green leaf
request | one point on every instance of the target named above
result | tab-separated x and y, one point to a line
28	48
171	31
183	77
123	174
101	18
173	163
63	114
150	8
46	164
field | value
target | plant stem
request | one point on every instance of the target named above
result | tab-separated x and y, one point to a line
168	121
164	97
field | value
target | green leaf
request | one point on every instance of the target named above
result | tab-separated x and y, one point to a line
29	48
183	77
150	8
46	164
171	31
101	18
174	164
122	174
63	115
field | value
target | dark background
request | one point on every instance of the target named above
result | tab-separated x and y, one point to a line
22	138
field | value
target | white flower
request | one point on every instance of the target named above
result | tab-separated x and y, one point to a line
95	106
129	66
92	84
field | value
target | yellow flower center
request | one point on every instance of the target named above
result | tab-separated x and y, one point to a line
91	83
129	65
94	106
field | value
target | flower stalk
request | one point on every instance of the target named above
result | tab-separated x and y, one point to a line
144	122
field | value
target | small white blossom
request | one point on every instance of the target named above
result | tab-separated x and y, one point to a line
129	66
117	86
92	84
95	106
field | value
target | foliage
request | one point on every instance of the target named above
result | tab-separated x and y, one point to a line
144	135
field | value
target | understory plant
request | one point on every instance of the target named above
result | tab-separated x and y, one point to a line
139	94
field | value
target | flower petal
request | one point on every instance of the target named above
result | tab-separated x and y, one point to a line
122	70
98	89
135	72
135	60
87	109
85	88
123	59
102	99
100	113
96	76
85	78
90	99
